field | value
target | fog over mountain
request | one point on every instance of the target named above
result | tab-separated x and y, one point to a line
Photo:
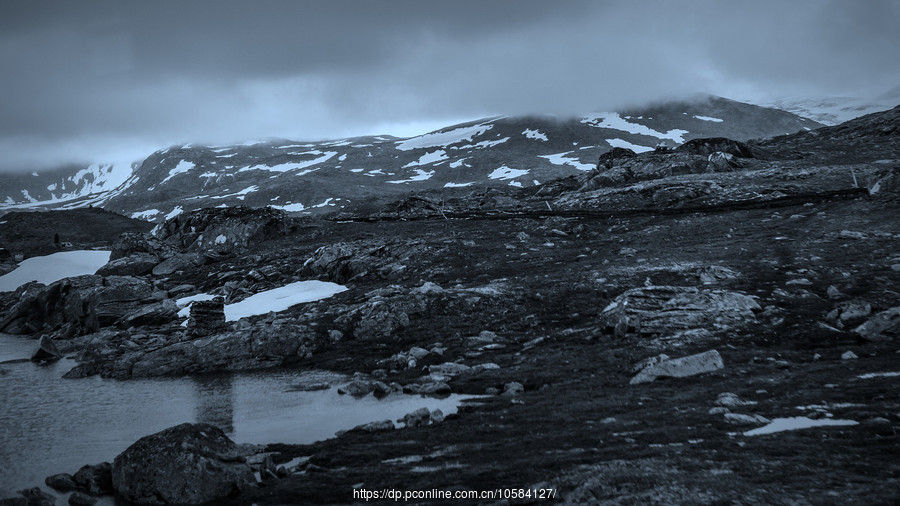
103	81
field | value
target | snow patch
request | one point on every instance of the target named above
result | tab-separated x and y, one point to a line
182	167
443	139
457	185
891	374
175	212
143	215
484	144
291	207
427	158
619	143
796	423
290	166
421	175
613	121
50	268
709	118
276	299
504	172
535	134
562	159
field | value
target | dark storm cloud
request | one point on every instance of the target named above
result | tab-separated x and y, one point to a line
94	80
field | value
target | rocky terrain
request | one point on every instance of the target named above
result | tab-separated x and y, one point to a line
641	332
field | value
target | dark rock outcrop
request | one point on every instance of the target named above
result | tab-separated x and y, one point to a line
46	351
222	230
84	303
207	317
708	146
669	310
257	347
185	464
614	157
94	480
135	264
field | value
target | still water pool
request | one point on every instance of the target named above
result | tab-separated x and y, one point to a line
49	425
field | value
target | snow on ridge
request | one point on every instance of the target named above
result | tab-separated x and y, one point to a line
613	121
428	158
535	134
175	212
289	166
443	139
709	118
562	159
421	175
142	215
182	167
484	144
504	172
619	143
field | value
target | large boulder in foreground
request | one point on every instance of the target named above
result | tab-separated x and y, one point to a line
667	310
708	361
185	464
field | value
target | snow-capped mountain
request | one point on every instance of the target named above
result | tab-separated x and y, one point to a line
328	175
834	110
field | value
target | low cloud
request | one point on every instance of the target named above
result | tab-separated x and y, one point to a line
98	81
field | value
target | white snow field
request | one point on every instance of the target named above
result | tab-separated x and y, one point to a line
276	299
796	423
50	268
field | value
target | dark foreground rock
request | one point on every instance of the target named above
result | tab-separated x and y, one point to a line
185	464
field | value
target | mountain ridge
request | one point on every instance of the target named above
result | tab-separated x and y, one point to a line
312	177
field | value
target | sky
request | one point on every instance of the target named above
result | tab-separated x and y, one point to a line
113	81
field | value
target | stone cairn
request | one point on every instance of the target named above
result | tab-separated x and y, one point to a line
207	317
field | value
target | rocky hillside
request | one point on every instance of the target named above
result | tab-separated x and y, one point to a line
716	323
324	176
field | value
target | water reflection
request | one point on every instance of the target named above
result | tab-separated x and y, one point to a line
49	425
215	401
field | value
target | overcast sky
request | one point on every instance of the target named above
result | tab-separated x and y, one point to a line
115	80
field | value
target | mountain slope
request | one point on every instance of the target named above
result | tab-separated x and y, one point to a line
316	176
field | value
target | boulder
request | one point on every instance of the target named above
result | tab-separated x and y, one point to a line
712	145
429	388
383	425
613	157
185	464
136	264
207	317
152	314
379	319
37	497
666	310
357	388
94	480
131	243
338	262
81	499
46	351
884	326
222	230
257	346
683	367
62	482
178	262
417	418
